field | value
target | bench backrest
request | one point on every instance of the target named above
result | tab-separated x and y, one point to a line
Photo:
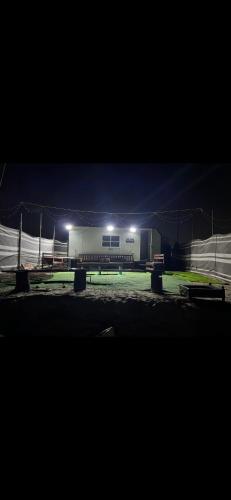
158	258
105	258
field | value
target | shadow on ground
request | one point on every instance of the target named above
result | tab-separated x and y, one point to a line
77	315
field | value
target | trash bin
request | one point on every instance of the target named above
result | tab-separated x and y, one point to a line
80	280
156	282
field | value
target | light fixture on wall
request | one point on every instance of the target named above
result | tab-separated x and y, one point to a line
110	227
132	229
68	227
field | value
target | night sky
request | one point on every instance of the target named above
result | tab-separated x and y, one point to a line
119	187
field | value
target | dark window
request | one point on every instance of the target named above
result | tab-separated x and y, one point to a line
130	240
110	241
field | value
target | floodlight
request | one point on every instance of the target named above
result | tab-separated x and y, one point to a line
68	227
132	229
110	227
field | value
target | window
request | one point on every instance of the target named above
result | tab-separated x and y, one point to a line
130	240
111	241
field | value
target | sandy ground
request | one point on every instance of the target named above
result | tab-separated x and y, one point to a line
138	314
56	311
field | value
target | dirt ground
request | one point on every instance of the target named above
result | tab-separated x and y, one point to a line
130	307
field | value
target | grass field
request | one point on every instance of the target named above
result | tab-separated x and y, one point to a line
141	277
193	277
124	302
134	281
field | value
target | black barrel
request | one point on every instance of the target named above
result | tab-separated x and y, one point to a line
156	282
80	280
22	281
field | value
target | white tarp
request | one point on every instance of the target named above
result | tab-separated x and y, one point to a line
212	256
9	239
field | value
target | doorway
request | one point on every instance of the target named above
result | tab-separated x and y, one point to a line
144	245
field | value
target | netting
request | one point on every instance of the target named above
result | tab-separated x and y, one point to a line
9	248
212	256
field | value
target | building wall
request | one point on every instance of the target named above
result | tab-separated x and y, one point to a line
154	242
89	240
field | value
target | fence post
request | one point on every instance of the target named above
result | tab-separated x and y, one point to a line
22	281
53	245
20	241
40	236
80	280
156	281
150	247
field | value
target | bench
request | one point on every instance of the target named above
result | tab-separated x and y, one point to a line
54	260
157	264
204	291
105	258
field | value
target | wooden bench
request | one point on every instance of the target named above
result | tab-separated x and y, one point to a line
54	260
157	264
204	291
105	258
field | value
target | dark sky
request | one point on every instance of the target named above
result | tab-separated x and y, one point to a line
118	187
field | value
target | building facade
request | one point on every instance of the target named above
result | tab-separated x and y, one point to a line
116	242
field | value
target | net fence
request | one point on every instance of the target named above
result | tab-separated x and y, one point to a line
211	256
9	248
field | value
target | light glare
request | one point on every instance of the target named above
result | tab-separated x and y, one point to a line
68	227
132	229
110	227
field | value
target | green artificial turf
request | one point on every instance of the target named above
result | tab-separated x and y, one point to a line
136	280
193	277
113	281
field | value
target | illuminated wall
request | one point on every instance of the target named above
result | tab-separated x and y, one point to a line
83	240
89	240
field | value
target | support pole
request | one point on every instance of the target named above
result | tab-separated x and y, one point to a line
192	228
150	250
80	280
177	230
20	242
179	223
53	245
40	237
68	266
156	281
212	223
22	281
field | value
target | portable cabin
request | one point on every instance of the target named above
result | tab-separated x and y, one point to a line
112	244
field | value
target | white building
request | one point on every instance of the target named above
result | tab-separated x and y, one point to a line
117	244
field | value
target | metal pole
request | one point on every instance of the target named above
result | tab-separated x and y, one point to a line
3	171
192	227
151	256
54	245
20	242
68	250
40	236
212	222
177	231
